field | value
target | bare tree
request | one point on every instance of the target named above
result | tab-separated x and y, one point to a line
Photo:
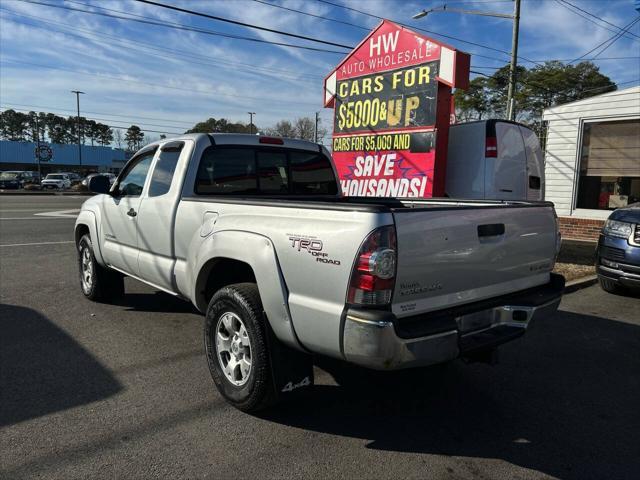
305	128
282	129
118	138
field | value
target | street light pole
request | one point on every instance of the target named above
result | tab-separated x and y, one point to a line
511	111
38	147
315	131
251	114
78	93
514	44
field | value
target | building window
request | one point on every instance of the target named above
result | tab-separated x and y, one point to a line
609	165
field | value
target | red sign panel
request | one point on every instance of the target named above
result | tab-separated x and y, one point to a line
387	113
385	165
389	47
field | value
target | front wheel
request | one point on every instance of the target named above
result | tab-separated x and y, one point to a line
97	282
236	344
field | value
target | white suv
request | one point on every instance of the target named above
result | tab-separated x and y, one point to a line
57	180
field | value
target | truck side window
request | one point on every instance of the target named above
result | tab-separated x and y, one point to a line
132	183
311	174
227	171
272	171
163	170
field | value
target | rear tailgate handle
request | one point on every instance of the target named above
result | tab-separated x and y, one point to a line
490	230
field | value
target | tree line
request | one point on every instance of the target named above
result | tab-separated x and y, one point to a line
543	86
49	127
302	128
32	126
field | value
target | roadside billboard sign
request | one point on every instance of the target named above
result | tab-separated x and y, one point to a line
392	102
44	153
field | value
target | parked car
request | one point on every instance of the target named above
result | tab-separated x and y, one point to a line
110	176
74	178
15	179
56	180
494	159
254	232
618	254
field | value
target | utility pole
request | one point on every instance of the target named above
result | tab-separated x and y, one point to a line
251	114
315	132
78	93
511	111
38	147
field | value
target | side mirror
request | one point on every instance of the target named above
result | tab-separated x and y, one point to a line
99	184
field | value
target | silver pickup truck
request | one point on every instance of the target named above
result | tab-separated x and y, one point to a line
252	230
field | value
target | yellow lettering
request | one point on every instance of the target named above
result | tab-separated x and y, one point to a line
394	110
366	86
409	78
343	88
395	78
423	75
412	104
379	85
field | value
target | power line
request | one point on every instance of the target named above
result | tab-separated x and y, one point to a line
100	118
614	40
181	53
190	90
101	113
560	92
113	126
560	60
312	15
566	6
179	26
362	12
629	25
565	3
243	24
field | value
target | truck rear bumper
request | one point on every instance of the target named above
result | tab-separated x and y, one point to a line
378	340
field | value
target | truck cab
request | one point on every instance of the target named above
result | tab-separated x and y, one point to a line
494	160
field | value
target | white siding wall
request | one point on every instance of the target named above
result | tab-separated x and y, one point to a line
564	139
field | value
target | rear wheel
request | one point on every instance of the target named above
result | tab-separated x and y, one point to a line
236	344
97	282
608	285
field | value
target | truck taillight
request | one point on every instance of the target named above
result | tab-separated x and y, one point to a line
491	147
374	271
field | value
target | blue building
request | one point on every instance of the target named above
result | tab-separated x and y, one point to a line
21	156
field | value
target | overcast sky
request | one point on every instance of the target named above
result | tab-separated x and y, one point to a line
175	78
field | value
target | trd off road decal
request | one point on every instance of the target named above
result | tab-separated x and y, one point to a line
313	246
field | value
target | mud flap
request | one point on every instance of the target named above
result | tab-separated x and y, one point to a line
292	370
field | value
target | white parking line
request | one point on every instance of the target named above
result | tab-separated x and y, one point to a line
72	213
30	244
37	218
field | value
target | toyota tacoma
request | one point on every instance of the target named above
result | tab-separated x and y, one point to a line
254	232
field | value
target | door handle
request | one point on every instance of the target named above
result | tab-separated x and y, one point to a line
491	230
132	212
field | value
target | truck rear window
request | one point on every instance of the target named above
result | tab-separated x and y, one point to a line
266	171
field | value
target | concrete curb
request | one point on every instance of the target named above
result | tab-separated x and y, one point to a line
580	283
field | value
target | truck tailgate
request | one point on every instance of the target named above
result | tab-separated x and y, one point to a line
455	255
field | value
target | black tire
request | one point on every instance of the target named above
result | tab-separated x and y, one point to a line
608	285
243	300
105	285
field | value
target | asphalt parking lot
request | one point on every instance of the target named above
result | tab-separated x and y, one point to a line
122	391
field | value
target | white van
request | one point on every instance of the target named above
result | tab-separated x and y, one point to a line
494	160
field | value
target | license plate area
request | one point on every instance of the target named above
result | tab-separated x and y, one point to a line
475	321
